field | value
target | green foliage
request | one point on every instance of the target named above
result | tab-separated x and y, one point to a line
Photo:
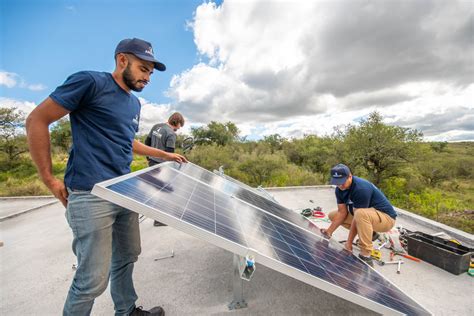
217	133
275	142
61	135
379	148
312	152
23	187
138	163
438	203
434	172
265	170
439	146
431	203
22	179
254	164
213	156
12	138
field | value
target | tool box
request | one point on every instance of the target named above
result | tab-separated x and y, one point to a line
440	252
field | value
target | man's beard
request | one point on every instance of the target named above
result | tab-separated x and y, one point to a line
129	81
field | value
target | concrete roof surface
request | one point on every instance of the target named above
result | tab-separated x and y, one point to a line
36	271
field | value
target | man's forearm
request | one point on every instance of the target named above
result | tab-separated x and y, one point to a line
338	220
352	232
142	149
40	148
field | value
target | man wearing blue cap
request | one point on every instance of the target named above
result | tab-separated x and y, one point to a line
362	208
104	118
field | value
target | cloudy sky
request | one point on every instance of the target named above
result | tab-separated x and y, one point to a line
287	67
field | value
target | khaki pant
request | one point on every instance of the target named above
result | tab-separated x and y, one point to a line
367	220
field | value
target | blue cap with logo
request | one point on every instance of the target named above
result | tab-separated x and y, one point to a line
140	48
339	174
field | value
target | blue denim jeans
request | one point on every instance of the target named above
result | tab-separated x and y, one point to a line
106	243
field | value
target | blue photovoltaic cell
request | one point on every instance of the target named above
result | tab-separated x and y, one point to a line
220	211
245	194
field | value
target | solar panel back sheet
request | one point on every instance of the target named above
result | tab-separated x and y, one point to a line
207	206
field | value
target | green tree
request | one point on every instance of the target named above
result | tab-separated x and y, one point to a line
275	141
262	168
439	146
61	135
312	152
379	148
433	172
12	136
217	133
213	156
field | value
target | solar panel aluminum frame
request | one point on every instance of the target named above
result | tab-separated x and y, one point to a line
100	190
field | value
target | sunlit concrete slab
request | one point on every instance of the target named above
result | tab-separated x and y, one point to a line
14	206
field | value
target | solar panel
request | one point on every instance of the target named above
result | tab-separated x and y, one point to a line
245	194
211	208
260	191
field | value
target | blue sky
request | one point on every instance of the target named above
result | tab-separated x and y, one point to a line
288	67
45	41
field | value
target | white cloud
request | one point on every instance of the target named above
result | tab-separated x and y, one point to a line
153	113
11	79
8	79
35	87
296	67
24	106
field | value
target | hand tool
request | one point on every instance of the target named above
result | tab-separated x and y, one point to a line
382	263
399	266
376	253
407	256
167	256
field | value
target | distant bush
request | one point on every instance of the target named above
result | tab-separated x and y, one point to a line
138	163
213	156
18	187
439	146
432	203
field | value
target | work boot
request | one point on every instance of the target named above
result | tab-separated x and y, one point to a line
155	311
367	260
156	223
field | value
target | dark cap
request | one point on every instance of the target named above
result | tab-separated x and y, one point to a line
140	48
339	174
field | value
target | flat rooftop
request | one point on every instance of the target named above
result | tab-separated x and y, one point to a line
36	268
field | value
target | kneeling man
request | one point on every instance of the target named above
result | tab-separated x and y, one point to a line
362	208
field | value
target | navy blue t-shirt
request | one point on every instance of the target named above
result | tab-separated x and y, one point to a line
104	120
364	194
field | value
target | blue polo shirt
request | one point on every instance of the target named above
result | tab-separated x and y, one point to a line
104	120
364	194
